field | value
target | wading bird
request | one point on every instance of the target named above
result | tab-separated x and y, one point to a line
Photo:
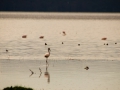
47	55
24	36
86	68
6	50
45	43
41	37
64	33
104	38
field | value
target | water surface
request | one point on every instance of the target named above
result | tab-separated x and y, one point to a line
68	60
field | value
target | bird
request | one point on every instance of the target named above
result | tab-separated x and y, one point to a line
6	50
86	68
107	44
62	42
78	44
24	36
41	37
47	55
64	33
45	43
115	43
104	38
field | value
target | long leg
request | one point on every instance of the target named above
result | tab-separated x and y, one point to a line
47	61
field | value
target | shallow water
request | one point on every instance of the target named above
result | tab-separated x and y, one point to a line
63	74
87	33
68	60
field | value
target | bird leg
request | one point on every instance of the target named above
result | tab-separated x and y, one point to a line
47	62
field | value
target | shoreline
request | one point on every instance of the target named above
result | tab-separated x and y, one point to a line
53	15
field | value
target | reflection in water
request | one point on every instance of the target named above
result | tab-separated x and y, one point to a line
31	73
47	75
100	75
40	72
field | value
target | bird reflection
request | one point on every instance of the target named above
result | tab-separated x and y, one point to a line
40	72
31	73
47	75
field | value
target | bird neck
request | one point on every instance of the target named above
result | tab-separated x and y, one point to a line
48	51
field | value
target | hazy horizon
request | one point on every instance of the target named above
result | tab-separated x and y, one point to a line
60	15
